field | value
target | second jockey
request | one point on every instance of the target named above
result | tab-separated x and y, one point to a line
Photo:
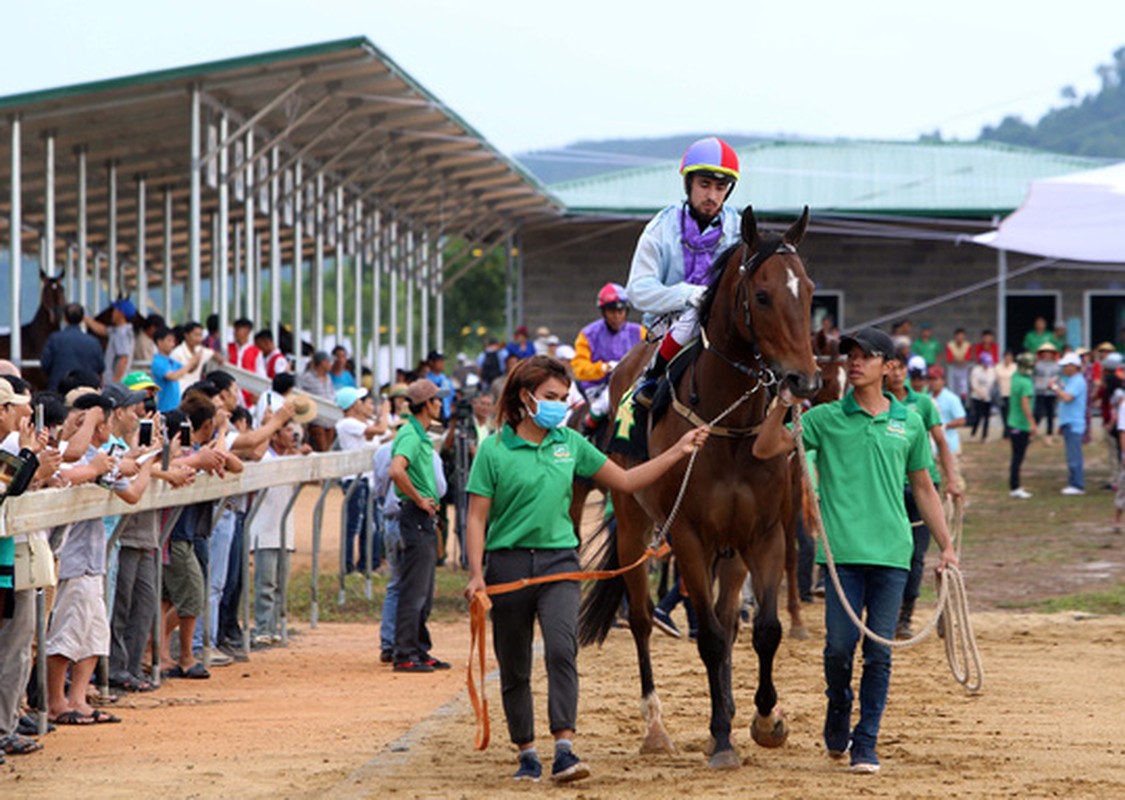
672	263
601	344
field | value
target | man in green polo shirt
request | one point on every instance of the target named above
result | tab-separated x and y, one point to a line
865	445
1021	424
412	472
923	405
926	345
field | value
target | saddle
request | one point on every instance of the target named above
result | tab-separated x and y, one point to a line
635	415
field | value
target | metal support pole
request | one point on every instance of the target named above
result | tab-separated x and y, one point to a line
113	285
195	264
69	284
357	293
41	656
237	307
257	295
393	251
83	244
376	295
248	220
318	518
509	292
167	287
298	272
15	246
275	248
424	287
142	266
369	532
244	601
213	268
158	615
283	571
96	284
338	265
318	268
49	206
439	301
411	277
223	300
1001	295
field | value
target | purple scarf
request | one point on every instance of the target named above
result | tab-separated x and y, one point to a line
699	247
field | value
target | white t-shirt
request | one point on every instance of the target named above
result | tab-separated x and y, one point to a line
350	435
183	355
265	527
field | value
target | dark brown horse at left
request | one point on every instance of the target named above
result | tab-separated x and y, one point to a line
33	335
737	512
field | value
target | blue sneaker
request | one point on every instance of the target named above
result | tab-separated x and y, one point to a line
568	767
837	730
864	760
530	769
663	621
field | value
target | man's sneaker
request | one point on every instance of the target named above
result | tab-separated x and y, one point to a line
837	731
235	653
386	656
662	620
413	666
1020	494
218	658
568	767
261	642
864	760
1072	491
530	769
437	663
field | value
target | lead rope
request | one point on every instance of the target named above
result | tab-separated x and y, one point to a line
952	612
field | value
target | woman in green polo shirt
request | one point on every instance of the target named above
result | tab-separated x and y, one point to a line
520	489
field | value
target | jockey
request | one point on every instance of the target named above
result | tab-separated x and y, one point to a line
601	344
672	263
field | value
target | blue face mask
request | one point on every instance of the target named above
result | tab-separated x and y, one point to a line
549	413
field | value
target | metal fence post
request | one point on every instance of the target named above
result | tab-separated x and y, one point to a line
318	519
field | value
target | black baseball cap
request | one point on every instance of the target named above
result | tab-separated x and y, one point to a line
871	340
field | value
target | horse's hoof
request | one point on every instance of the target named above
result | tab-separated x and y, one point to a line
657	742
727	759
799	632
771	731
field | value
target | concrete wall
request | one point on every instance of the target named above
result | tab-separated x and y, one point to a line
564	266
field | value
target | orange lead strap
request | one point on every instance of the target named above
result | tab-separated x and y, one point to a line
479	606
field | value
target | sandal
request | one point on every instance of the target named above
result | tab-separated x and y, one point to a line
134	684
195	671
101	717
73	718
16	745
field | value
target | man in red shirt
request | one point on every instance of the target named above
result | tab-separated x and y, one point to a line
273	360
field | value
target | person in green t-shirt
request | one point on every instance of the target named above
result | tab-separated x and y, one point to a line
1021	426
1038	336
519	500
926	345
866	445
923	405
412	472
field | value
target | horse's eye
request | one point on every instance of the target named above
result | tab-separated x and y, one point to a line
762	298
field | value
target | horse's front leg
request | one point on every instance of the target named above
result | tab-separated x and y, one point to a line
767	561
714	648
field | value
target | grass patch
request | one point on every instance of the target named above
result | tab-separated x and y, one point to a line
1110	601
449	598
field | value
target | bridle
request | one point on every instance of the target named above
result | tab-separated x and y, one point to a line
758	370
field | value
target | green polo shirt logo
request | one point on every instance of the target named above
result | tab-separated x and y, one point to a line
896	427
562	453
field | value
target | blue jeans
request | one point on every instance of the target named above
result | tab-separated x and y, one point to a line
878	590
219	560
357	529
1075	474
392	548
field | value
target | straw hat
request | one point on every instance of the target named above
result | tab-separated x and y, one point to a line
1048	347
305	405
1107	346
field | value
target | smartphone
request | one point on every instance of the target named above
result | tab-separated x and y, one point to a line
38	417
185	434
144	438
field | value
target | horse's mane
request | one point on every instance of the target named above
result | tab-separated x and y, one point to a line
767	245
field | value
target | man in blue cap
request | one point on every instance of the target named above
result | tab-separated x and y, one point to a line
119	333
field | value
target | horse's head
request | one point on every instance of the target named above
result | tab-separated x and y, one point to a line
768	300
52	298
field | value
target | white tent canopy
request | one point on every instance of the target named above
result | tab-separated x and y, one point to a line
1079	217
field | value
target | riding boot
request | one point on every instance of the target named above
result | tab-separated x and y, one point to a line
651	379
905	613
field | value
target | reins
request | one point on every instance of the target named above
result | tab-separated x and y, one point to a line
952	613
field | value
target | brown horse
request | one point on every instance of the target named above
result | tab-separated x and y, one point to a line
833	376
33	334
737	511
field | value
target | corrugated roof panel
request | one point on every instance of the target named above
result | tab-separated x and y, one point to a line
904	178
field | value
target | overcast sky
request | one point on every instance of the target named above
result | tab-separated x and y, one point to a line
533	75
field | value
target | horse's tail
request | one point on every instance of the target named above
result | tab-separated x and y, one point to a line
603	598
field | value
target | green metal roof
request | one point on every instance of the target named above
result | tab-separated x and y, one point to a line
944	179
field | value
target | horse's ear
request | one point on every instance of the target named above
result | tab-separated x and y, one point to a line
797	230
749	227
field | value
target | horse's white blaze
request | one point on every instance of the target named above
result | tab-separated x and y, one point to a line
793	283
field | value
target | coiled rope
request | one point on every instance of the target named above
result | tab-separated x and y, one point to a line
952	613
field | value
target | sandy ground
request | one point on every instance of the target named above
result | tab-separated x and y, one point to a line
323	718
